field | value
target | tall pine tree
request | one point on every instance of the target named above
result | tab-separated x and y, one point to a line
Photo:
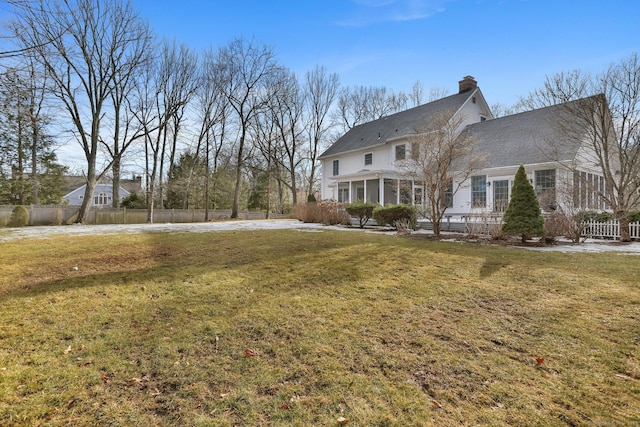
523	216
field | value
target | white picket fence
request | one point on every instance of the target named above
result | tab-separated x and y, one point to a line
609	229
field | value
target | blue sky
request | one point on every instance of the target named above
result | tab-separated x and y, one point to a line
509	46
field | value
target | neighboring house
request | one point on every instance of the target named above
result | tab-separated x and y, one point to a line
102	194
363	164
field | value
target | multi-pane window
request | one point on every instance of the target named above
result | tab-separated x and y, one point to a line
545	185
401	153
101	199
500	195
336	167
588	191
368	159
448	196
479	191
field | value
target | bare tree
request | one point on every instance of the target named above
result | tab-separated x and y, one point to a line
417	94
441	160
181	84
321	89
80	44
211	113
125	129
436	93
557	89
245	70
286	109
605	114
364	104
166	89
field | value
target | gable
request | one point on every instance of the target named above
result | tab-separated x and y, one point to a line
381	131
527	138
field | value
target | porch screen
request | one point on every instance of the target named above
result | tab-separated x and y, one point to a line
373	191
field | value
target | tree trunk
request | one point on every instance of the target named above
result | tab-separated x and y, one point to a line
88	195
115	191
236	193
623	220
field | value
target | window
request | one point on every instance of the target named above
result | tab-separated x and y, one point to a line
479	191
400	152
336	167
368	159
448	196
500	195
101	199
545	185
588	191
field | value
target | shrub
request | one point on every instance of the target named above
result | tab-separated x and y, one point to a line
634	216
391	214
311	198
327	213
19	217
133	201
523	216
361	210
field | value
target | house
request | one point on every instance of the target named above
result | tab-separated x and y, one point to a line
102	194
364	164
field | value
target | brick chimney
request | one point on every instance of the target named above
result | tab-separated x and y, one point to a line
466	84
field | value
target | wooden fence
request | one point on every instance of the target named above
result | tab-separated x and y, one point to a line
492	223
609	229
58	215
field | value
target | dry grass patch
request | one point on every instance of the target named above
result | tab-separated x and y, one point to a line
291	328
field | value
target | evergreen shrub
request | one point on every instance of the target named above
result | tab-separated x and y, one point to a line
19	217
523	215
361	210
392	214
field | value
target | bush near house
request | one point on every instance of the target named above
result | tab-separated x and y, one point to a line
19	217
633	216
393	214
523	216
326	212
361	210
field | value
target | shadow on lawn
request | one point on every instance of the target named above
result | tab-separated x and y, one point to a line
492	265
166	257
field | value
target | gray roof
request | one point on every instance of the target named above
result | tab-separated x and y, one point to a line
536	136
396	125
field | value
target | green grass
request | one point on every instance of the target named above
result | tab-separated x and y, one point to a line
153	329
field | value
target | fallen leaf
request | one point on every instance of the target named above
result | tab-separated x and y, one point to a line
249	353
342	420
67	350
539	360
436	404
284	406
223	395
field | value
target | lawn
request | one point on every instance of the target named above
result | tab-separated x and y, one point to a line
314	329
